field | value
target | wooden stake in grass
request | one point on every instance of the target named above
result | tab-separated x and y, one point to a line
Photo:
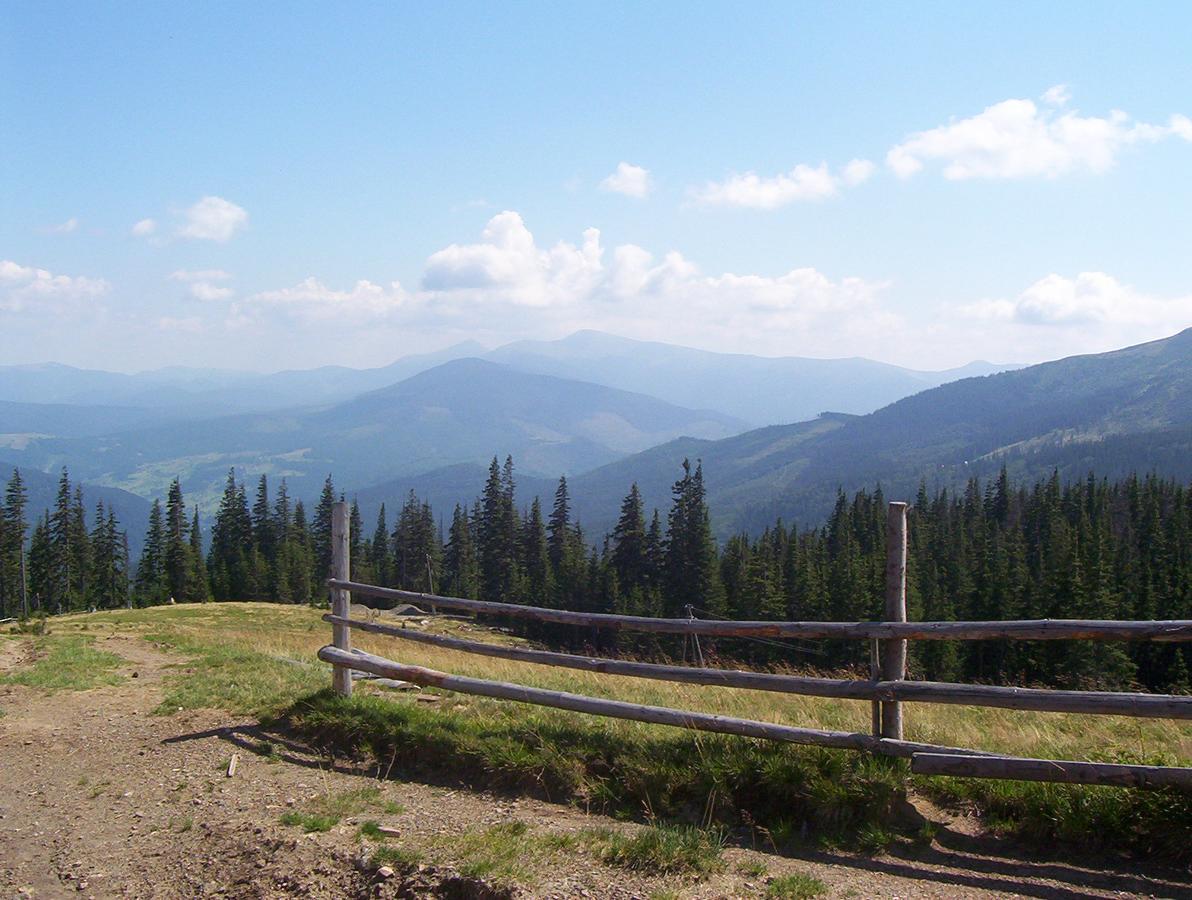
894	652
341	599
233	763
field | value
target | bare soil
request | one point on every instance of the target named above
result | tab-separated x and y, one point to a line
100	797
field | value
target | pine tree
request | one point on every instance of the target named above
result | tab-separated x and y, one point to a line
629	553
461	569
151	585
381	558
61	577
13	526
498	549
559	525
691	559
177	557
320	536
535	561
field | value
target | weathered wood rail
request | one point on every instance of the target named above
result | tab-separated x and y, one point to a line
886	689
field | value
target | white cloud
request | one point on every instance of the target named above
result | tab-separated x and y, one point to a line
857	171
70	226
28	288
802	183
201	283
506	285
1017	139
755	192
312	301
1059	315
213	219
1057	95
1089	299
509	266
144	228
202	290
630	180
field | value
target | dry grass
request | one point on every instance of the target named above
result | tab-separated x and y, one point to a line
295	634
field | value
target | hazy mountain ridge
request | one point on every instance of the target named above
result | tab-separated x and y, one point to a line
463	411
759	390
762	390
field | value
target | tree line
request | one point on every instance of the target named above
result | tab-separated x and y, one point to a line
1088	549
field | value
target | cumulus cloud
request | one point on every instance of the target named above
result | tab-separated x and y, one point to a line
213	219
630	180
1090	298
507	285
144	228
802	183
29	288
507	265
1018	139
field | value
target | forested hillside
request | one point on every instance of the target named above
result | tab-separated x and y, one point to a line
1110	413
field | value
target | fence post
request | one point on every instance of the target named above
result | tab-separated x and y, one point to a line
341	600
894	652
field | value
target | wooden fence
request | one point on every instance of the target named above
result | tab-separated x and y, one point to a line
886	689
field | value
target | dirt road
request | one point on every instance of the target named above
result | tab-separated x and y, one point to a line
99	797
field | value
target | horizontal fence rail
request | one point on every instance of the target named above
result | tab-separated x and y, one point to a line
1160	706
1059	770
1023	630
886	689
619	709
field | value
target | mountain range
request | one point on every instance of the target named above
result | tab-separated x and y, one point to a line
607	412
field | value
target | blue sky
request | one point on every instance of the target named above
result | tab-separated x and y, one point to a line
288	185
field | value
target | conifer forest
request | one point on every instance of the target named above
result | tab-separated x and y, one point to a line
1090	549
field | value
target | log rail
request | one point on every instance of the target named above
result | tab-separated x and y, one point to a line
887	689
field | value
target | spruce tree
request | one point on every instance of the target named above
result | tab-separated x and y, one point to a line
151	584
177	557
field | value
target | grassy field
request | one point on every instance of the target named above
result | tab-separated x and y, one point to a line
260	659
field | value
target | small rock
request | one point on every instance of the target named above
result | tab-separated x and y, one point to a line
389	830
385	872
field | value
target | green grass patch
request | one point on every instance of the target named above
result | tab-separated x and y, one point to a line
67	662
310	822
668	850
795	886
510	852
501	852
752	869
1151	823
672	774
225	676
327	810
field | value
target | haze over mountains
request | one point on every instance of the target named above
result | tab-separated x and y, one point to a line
758	390
607	412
